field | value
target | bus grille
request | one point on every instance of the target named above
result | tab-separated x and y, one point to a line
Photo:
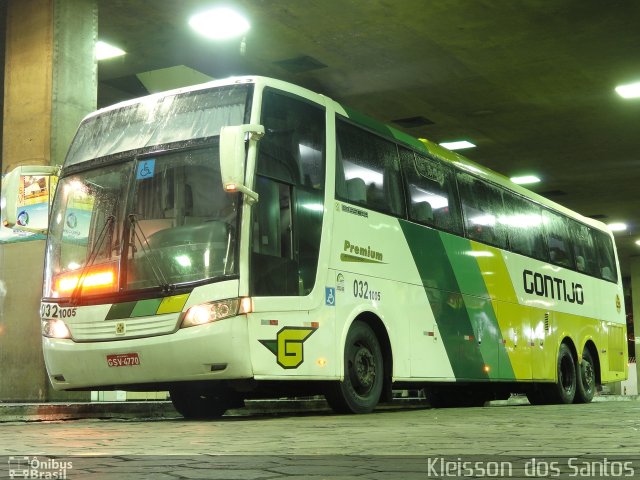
133	327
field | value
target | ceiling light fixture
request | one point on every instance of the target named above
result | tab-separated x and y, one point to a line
525	179
617	227
457	145
219	24
638	242
104	51
631	90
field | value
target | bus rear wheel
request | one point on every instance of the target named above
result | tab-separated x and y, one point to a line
198	403
564	390
586	376
363	373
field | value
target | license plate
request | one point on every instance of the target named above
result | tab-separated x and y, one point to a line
123	360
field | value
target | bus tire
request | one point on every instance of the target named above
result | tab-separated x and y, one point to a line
197	403
564	390
363	373
586	379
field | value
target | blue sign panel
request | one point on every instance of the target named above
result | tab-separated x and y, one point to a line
145	169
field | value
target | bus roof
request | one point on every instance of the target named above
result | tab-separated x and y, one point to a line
420	145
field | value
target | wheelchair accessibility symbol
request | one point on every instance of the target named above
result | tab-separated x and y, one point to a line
145	169
330	296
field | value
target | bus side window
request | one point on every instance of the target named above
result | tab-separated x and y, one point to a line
583	248
524	222
431	192
368	170
558	239
606	261
482	208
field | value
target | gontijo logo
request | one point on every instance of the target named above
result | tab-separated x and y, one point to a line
288	346
552	287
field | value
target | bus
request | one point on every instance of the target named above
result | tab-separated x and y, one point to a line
248	238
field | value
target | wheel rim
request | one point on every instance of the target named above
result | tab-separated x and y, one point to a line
588	375
362	370
567	374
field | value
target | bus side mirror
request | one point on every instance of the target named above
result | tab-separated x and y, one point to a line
27	193
233	157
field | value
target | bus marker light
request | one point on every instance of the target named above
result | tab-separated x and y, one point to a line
322	362
55	329
246	305
486	368
92	280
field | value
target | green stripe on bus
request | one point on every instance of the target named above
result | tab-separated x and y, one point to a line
146	308
447	303
120	310
487	333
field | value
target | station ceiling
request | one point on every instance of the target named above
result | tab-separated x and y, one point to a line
530	82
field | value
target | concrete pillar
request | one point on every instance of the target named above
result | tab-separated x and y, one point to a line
49	85
635	299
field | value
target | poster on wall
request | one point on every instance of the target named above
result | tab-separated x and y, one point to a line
34	192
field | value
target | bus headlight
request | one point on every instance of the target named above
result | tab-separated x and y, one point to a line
55	329
214	311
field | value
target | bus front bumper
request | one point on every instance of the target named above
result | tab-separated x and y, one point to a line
215	351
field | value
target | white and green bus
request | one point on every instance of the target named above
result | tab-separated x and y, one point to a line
249	238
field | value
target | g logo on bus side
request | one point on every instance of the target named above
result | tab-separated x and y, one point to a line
288	347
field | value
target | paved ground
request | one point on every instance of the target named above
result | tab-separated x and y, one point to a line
322	445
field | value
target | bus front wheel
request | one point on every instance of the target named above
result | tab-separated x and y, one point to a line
198	403
363	373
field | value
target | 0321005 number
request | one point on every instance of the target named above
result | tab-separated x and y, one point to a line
361	290
48	310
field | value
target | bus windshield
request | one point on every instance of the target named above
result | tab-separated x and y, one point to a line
152	213
149	222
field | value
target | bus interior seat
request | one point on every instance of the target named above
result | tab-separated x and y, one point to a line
422	212
357	190
376	198
606	273
341	181
209	233
393	190
147	228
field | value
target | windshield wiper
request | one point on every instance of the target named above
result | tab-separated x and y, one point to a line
93	254
149	254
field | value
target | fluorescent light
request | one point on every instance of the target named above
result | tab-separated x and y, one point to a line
638	242
459	145
631	90
219	24
617	227
104	51
525	179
